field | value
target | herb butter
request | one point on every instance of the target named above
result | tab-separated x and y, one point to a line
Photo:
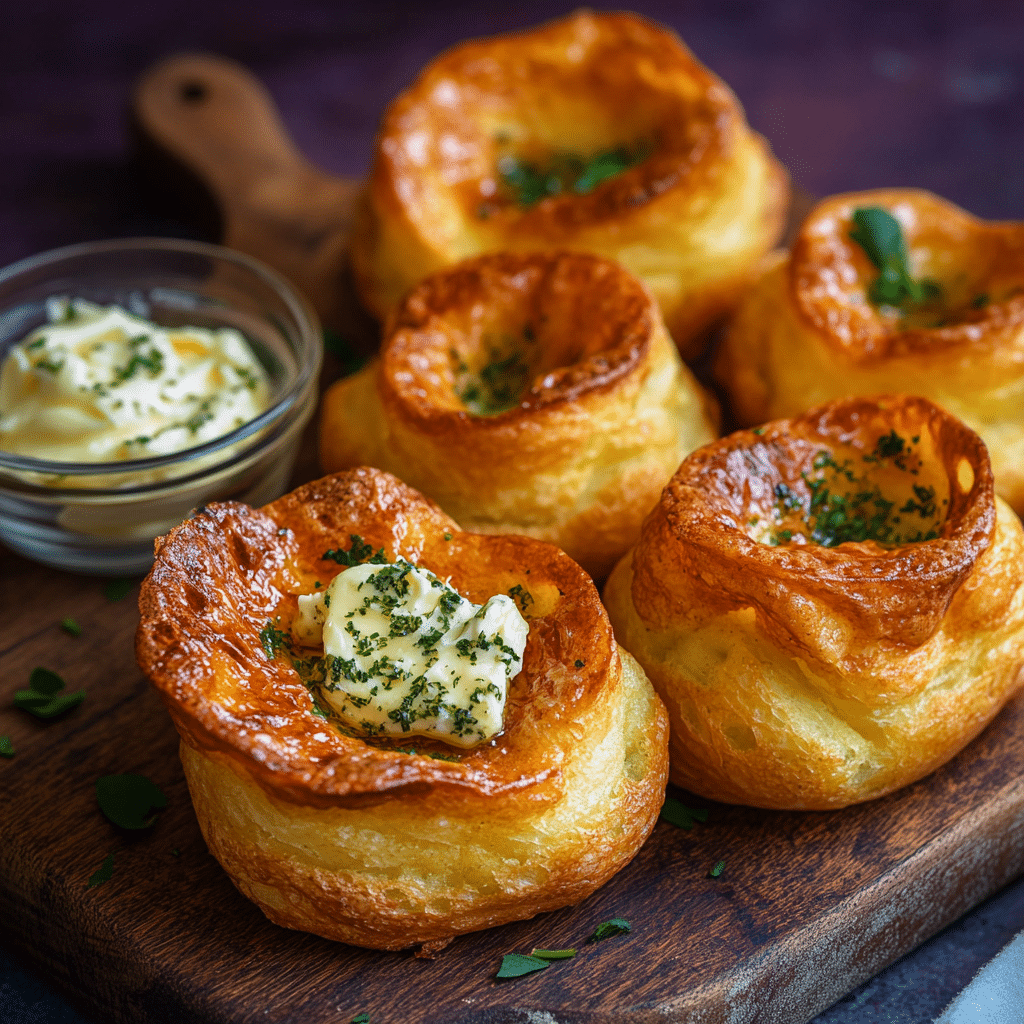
404	652
99	384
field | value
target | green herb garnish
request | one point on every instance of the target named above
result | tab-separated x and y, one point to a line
676	813
609	929
104	873
527	183
117	590
43	697
129	800
716	871
522	597
70	626
498	387
344	351
361	1018
357	554
6	747
553	954
274	640
516	965
879	234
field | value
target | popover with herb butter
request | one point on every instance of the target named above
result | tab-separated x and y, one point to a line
536	394
890	291
830	606
395	731
595	132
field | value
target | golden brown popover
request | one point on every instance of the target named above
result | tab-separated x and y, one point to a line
815	326
597	132
536	394
376	842
830	606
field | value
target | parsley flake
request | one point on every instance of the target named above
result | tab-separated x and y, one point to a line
358	553
118	590
516	965
70	626
129	800
361	1018
879	234
716	871
43	697
676	813
609	929
6	747
104	873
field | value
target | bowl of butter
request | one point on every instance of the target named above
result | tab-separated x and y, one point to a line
140	379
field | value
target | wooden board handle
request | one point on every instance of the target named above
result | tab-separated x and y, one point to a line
211	115
219	120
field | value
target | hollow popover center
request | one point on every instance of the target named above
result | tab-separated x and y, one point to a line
506	335
876	507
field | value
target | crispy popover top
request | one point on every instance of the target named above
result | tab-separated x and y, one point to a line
559	326
848	529
223	575
977	266
600	132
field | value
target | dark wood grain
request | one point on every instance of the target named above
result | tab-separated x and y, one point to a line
808	905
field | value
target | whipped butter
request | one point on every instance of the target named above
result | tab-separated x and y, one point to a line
99	384
404	652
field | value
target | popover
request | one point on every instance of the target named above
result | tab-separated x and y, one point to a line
536	394
831	606
334	826
890	291
595	132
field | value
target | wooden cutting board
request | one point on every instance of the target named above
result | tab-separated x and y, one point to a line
807	906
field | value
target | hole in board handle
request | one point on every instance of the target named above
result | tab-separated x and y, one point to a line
192	91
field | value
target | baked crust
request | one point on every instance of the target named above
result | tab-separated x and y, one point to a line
809	677
606	412
356	840
806	333
692	220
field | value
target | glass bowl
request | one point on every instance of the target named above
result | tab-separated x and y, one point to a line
102	517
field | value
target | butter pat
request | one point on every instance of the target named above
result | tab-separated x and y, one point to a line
99	384
405	653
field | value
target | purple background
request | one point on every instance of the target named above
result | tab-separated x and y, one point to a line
850	95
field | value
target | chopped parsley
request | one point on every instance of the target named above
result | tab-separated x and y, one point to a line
274	640
879	234
358	553
6	747
678	814
716	871
526	182
497	387
117	590
151	360
516	965
843	504
43	698
522	597
361	1018
129	800
71	627
104	873
609	929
